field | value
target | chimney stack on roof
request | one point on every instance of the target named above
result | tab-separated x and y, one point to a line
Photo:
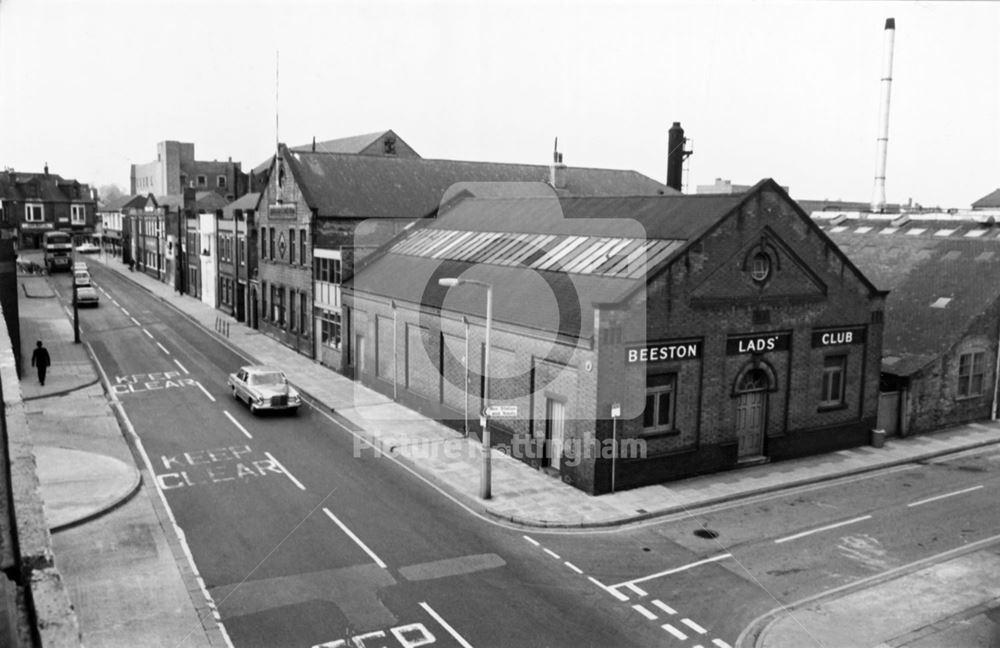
676	154
314	144
882	143
557	170
46	168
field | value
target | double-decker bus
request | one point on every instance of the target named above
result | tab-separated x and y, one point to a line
58	251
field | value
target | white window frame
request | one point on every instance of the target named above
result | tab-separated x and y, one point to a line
30	208
78	214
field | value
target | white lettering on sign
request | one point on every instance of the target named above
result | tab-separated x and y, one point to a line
756	345
214	466
155	381
843	337
665	352
412	635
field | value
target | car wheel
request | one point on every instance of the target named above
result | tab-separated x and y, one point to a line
235	394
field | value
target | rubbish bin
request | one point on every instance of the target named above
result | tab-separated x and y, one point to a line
878	438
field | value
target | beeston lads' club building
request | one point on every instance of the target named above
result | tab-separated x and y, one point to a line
688	334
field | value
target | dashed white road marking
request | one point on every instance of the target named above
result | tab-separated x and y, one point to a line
202	387
163	348
635	588
126	313
694	626
237	424
532	541
288	474
135	321
720	643
644	612
371	554
667	572
940	497
552	553
148	334
610	590
178	363
573	567
674	631
823	528
663	606
444	624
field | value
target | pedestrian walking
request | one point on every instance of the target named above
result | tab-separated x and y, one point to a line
40	360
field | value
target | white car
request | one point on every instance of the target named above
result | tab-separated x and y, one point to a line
263	388
87	248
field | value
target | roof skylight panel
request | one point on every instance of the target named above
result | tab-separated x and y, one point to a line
570	244
975	233
452	243
431	240
503	246
592	255
916	231
527	254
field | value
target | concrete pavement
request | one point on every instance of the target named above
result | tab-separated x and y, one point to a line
524	495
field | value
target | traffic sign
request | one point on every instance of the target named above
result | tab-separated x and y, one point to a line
501	411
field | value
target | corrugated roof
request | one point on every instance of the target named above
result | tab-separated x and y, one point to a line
362	186
539	253
919	271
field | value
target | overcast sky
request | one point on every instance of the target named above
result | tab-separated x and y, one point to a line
763	89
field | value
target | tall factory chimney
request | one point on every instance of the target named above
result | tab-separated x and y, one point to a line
676	154
878	195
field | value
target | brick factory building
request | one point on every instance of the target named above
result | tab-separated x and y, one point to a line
728	330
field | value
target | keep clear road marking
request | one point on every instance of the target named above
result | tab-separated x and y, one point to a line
821	529
940	497
444	624
163	348
644	612
674	631
178	363
202	387
284	470
371	554
237	424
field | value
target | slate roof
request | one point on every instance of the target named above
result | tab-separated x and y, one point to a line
529	296
362	186
121	203
920	270
51	188
245	202
354	144
989	201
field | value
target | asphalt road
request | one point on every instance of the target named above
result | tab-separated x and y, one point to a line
304	541
300	539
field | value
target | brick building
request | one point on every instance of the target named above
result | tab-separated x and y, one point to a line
942	318
320	211
721	330
33	203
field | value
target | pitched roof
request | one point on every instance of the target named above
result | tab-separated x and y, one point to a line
355	144
209	201
362	186
121	203
989	201
45	187
939	286
245	202
581	250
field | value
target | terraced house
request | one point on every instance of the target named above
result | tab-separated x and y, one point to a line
34	203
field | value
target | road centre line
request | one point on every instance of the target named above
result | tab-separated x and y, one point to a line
644	612
357	540
135	321
667	572
284	470
940	497
532	541
127	314
552	553
444	624
821	529
202	387
178	363
163	348
573	567
237	424
610	590
148	334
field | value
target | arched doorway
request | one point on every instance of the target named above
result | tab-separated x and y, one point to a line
751	412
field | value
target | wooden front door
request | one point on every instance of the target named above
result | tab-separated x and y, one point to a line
751	414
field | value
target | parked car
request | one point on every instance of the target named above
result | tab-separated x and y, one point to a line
263	388
87	248
79	265
87	296
81	278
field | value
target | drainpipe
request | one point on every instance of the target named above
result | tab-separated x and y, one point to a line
996	381
395	353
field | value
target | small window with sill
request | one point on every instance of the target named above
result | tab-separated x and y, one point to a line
971	374
661	399
834	373
34	213
77	214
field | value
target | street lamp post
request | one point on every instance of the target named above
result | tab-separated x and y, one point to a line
485	477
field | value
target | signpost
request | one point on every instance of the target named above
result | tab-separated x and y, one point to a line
501	411
616	411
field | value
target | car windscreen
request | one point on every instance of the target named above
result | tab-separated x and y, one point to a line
271	378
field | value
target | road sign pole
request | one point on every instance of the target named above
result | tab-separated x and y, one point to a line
485	483
616	411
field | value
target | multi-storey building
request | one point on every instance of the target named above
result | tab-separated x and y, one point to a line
33	203
175	169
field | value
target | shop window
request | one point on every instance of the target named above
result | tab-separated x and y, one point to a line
330	329
834	372
971	374
661	398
